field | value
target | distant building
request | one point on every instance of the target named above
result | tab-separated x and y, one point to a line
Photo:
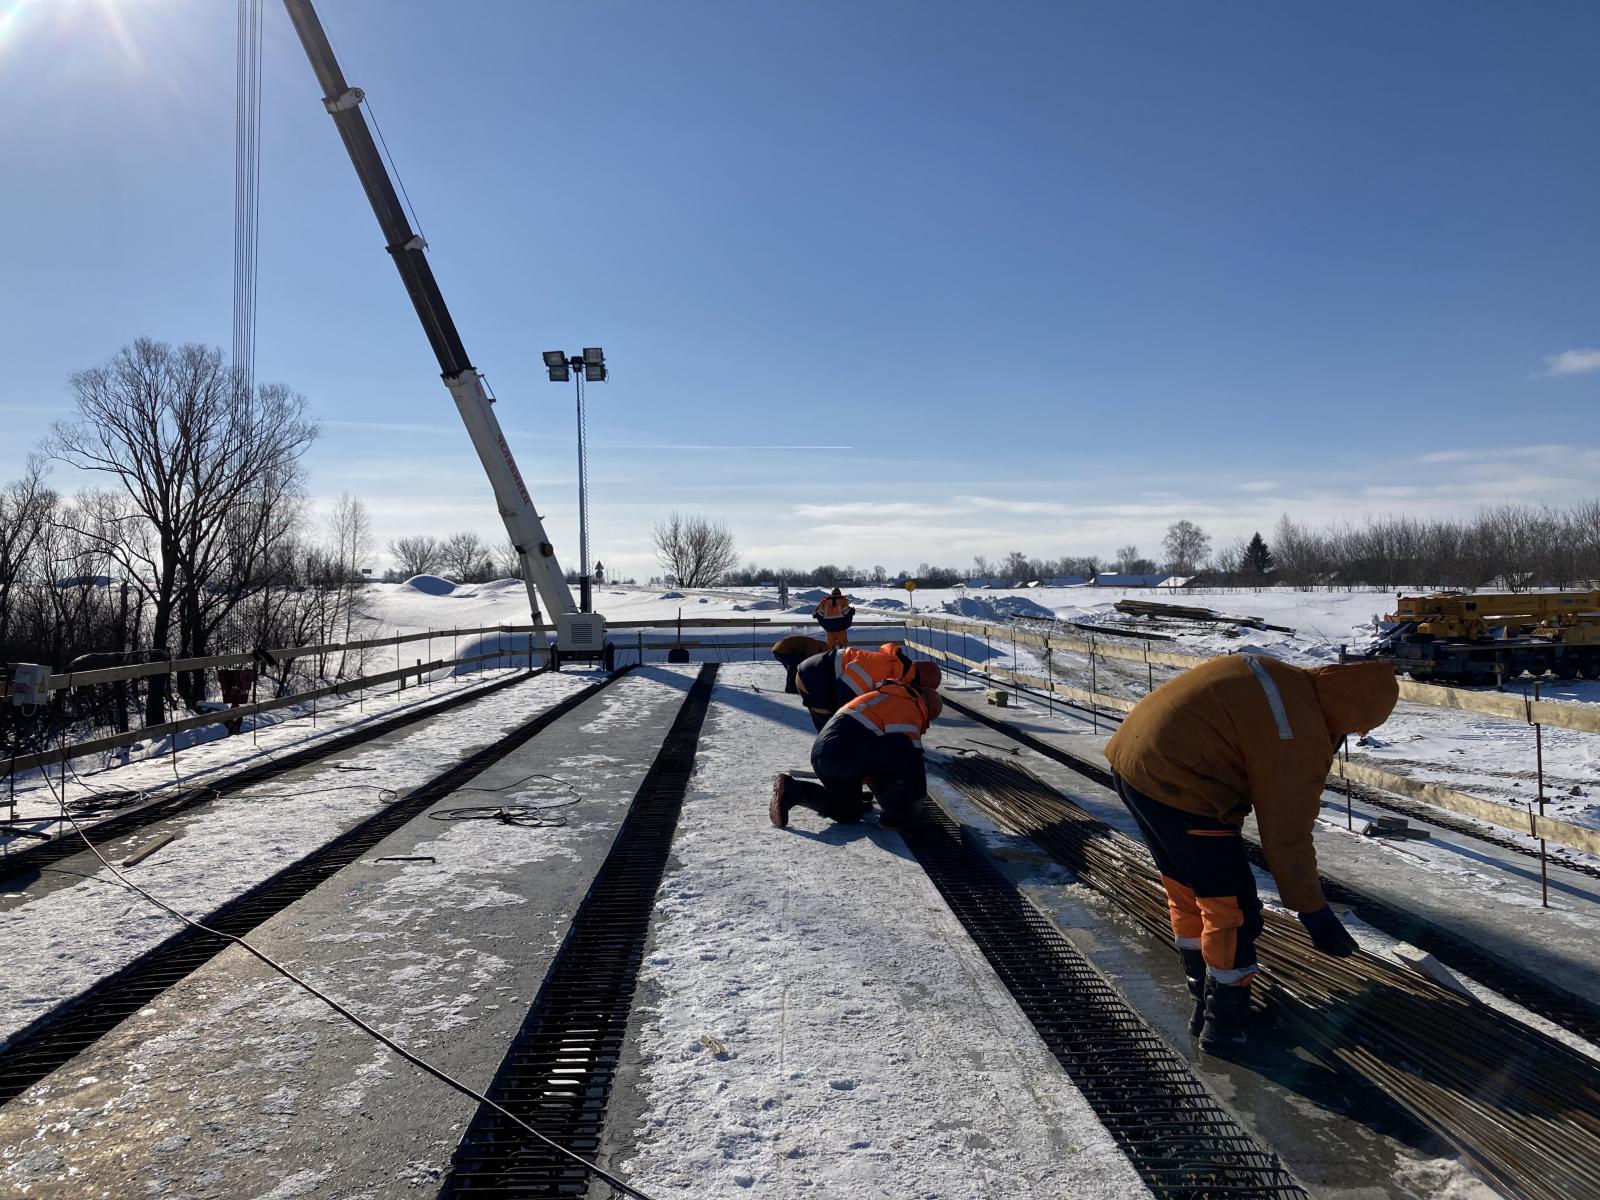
1119	579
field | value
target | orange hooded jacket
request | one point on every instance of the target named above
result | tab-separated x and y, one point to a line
896	708
1248	732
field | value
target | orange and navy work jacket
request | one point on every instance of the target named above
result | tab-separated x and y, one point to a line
893	708
832	606
864	670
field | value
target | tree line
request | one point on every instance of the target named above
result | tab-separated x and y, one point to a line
196	540
1509	546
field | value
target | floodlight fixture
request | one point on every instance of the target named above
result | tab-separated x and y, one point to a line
590	367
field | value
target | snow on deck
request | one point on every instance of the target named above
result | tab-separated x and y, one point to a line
61	941
819	1023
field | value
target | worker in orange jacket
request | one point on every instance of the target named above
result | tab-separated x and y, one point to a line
875	740
834	614
1235	735
830	680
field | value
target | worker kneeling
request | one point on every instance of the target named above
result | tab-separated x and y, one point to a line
876	740
830	680
1198	754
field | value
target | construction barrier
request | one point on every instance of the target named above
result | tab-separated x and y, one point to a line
1584	718
24	762
1502	816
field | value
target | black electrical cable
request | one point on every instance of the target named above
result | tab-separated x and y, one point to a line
411	1057
528	814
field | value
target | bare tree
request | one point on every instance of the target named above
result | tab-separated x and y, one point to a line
696	550
510	561
1127	556
26	508
350	530
416	556
204	462
1187	546
463	555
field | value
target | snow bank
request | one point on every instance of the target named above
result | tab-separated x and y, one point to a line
884	602
990	608
429	585
756	606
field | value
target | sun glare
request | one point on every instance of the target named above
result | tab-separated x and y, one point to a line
48	24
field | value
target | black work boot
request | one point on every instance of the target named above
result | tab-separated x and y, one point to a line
1224	1033
1194	966
778	807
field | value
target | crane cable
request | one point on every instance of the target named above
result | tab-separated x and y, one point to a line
246	192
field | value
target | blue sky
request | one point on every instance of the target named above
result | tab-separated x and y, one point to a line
1048	276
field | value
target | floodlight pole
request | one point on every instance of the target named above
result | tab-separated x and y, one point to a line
585	593
590	366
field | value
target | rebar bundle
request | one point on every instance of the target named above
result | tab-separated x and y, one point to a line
1522	1109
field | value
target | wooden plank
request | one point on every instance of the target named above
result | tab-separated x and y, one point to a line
149	848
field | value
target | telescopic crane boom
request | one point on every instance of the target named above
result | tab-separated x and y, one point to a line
580	633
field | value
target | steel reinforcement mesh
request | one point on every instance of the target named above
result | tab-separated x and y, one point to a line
558	1073
1178	1136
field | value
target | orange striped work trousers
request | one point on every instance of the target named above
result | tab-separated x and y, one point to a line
1211	891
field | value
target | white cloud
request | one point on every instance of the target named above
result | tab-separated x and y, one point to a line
1572	362
707	446
868	508
1259	485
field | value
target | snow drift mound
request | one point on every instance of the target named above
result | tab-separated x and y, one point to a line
672	595
430	585
886	602
756	606
985	608
811	594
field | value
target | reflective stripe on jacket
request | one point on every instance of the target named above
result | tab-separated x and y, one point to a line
832	606
893	708
863	670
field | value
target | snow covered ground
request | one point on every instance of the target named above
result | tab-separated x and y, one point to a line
821	1024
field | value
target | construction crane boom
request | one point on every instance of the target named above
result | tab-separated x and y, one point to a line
576	632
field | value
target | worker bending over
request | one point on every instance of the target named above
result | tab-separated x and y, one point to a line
1195	756
875	740
830	680
834	614
793	650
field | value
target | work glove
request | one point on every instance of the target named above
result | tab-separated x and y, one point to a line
1327	934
